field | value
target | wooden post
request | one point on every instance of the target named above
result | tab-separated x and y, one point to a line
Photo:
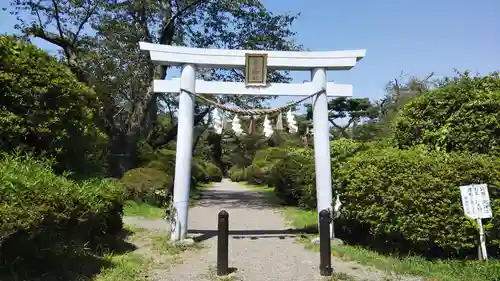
325	264
223	244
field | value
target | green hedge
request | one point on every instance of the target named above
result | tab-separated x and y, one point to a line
38	207
201	170
147	185
293	172
412	197
294	177
407	198
44	109
237	174
163	160
214	173
463	116
259	173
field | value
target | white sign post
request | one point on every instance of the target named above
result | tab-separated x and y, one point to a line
476	204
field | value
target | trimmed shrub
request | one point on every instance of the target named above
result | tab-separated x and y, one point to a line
163	160
259	172
270	154
412	197
199	171
45	110
293	178
214	172
343	149
462	116
42	213
147	185
294	173
237	174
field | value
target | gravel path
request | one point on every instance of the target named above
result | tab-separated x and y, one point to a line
261	247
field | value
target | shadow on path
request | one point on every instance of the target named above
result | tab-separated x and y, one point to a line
202	235
240	199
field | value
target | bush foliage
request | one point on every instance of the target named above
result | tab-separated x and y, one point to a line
259	172
462	116
44	109
147	185
408	198
403	192
38	205
413	197
293	178
154	182
237	174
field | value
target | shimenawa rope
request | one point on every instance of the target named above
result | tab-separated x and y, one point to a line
240	111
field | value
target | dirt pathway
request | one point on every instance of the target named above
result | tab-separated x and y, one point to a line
261	247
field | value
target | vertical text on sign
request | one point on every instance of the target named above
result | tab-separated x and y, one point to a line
476	201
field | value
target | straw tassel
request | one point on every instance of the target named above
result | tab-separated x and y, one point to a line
279	122
251	126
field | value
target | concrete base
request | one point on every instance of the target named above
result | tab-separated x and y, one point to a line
185	242
335	241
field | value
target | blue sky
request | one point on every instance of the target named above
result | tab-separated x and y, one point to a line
414	36
417	36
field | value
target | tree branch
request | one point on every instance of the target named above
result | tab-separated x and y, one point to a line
166	35
343	129
49	37
172	133
58	19
85	20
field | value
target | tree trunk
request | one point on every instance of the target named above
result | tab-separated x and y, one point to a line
123	154
172	133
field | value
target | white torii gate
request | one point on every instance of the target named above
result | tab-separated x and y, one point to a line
190	58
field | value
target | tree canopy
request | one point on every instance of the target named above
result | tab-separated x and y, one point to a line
99	41
45	109
464	115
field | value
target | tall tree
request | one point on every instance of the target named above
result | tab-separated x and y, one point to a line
99	41
354	109
399	92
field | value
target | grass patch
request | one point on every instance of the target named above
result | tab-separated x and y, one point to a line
126	267
267	191
161	243
301	219
437	270
341	277
442	270
148	211
144	210
195	195
136	267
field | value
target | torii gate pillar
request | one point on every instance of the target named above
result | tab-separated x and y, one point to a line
184	153
188	58
322	145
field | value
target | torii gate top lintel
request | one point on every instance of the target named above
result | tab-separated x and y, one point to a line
225	58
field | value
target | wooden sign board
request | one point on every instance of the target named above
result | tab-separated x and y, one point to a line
255	69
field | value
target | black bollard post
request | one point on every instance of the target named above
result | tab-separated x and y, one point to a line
223	244
325	264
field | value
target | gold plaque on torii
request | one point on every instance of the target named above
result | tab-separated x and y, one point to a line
255	69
